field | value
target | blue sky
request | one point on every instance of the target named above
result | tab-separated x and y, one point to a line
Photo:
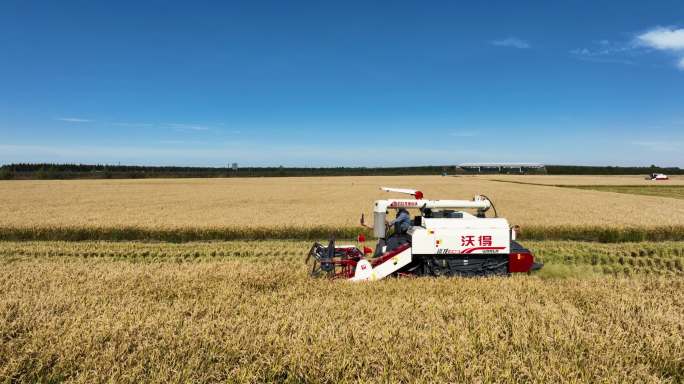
342	83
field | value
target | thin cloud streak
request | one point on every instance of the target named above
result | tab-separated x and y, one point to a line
134	125
74	120
175	126
605	51
511	42
187	127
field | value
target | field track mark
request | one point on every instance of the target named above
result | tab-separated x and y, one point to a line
671	191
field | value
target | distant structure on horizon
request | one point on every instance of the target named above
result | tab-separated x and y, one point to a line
520	168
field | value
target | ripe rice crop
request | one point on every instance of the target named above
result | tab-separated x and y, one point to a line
248	312
305	202
308	208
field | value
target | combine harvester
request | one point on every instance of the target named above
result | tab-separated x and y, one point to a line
657	177
442	241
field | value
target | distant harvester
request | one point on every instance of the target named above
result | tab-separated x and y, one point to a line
657	176
520	168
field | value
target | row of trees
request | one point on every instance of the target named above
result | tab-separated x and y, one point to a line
86	171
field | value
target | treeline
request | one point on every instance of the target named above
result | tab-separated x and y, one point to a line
47	171
86	171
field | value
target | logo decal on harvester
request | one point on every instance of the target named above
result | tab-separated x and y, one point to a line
448	251
404	204
469	240
483	249
444	251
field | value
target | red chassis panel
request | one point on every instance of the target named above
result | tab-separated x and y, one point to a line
520	262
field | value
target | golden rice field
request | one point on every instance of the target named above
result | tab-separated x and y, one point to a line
636	180
306	202
247	312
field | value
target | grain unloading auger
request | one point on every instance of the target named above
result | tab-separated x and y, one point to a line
442	240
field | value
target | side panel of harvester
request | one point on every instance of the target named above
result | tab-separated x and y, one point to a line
461	236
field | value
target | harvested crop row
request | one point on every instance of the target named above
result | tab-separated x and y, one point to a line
674	191
239	320
660	190
635	180
562	258
571	258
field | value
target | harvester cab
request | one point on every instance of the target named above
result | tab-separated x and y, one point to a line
443	240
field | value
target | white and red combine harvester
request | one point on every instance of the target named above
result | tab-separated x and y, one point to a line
657	176
443	240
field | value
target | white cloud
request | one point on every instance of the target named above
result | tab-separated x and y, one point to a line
581	51
663	38
606	51
74	120
512	42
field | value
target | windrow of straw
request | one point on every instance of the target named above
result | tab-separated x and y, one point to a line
561	258
184	234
